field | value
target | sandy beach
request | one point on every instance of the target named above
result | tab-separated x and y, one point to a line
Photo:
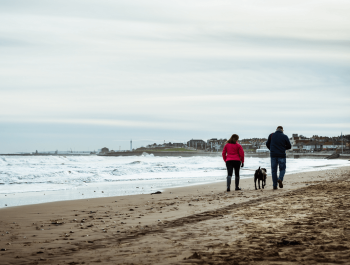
306	222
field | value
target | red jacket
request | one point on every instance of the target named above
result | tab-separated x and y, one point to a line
233	152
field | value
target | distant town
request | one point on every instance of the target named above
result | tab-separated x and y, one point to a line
300	144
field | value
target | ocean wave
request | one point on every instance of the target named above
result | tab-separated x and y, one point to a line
74	171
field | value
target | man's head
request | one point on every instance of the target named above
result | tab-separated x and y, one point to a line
279	128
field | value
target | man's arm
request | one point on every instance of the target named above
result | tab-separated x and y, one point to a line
268	143
288	145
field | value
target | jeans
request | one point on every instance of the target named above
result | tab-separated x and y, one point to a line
277	162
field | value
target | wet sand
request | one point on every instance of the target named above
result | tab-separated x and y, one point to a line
306	222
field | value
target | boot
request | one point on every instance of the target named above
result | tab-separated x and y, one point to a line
228	182
280	183
237	183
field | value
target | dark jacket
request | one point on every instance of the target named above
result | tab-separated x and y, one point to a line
278	143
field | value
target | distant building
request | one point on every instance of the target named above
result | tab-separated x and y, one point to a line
151	145
215	144
247	146
312	146
263	149
167	144
331	145
252	143
179	145
197	144
104	150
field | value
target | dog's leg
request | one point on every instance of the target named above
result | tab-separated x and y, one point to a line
259	183
255	182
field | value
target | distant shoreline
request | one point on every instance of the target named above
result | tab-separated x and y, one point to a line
196	153
46	154
193	153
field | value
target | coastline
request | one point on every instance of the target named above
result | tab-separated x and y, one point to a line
125	187
316	155
49	231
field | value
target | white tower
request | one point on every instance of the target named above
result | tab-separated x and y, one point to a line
130	145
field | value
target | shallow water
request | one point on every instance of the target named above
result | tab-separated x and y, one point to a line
37	179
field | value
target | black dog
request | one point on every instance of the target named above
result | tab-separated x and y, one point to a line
260	175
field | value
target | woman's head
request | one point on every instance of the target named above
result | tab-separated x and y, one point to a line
234	138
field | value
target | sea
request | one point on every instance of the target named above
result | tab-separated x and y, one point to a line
39	179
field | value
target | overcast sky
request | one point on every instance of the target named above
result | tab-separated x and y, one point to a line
88	74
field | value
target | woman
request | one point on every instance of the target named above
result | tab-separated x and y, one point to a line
233	155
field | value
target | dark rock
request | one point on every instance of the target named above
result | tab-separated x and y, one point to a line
285	242
195	256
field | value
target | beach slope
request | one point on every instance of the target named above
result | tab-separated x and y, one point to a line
306	222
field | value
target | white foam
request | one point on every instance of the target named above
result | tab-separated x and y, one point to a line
23	174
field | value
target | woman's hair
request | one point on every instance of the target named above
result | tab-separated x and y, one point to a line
234	138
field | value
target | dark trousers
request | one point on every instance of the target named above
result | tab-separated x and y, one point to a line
233	165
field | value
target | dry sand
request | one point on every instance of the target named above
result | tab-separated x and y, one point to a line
306	222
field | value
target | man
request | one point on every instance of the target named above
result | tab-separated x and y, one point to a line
278	143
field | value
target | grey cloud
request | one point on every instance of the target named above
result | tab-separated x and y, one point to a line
274	41
99	71
7	42
102	9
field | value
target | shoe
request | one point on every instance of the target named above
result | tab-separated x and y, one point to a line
237	188
228	189
280	184
275	188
